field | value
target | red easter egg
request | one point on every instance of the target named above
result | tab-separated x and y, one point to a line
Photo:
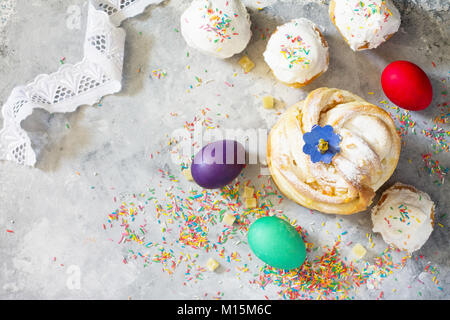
407	85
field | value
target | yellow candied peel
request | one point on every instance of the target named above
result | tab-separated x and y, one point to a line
188	174
212	264
359	251
229	219
246	64
268	102
248	192
250	203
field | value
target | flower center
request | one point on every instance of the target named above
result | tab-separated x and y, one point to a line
322	146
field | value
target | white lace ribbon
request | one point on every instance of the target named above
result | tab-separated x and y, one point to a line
85	83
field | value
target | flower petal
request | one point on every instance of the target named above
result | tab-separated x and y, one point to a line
311	137
312	140
327	129
335	140
316	156
308	149
334	150
327	157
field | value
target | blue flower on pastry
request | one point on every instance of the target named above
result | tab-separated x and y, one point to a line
321	144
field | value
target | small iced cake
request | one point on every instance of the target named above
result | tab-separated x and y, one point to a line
404	216
297	53
365	24
220	28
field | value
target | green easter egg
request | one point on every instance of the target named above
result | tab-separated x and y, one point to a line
277	243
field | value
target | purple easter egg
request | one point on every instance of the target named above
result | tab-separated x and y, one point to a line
218	164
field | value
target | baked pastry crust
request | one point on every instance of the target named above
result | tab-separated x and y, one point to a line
370	150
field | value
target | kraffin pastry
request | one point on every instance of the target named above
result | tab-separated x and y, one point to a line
361	147
365	24
404	217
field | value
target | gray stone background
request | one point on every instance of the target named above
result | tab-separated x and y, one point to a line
87	158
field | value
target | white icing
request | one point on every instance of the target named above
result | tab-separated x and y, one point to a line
408	230
220	28
366	22
296	53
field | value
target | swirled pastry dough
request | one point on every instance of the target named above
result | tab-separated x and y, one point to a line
370	149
